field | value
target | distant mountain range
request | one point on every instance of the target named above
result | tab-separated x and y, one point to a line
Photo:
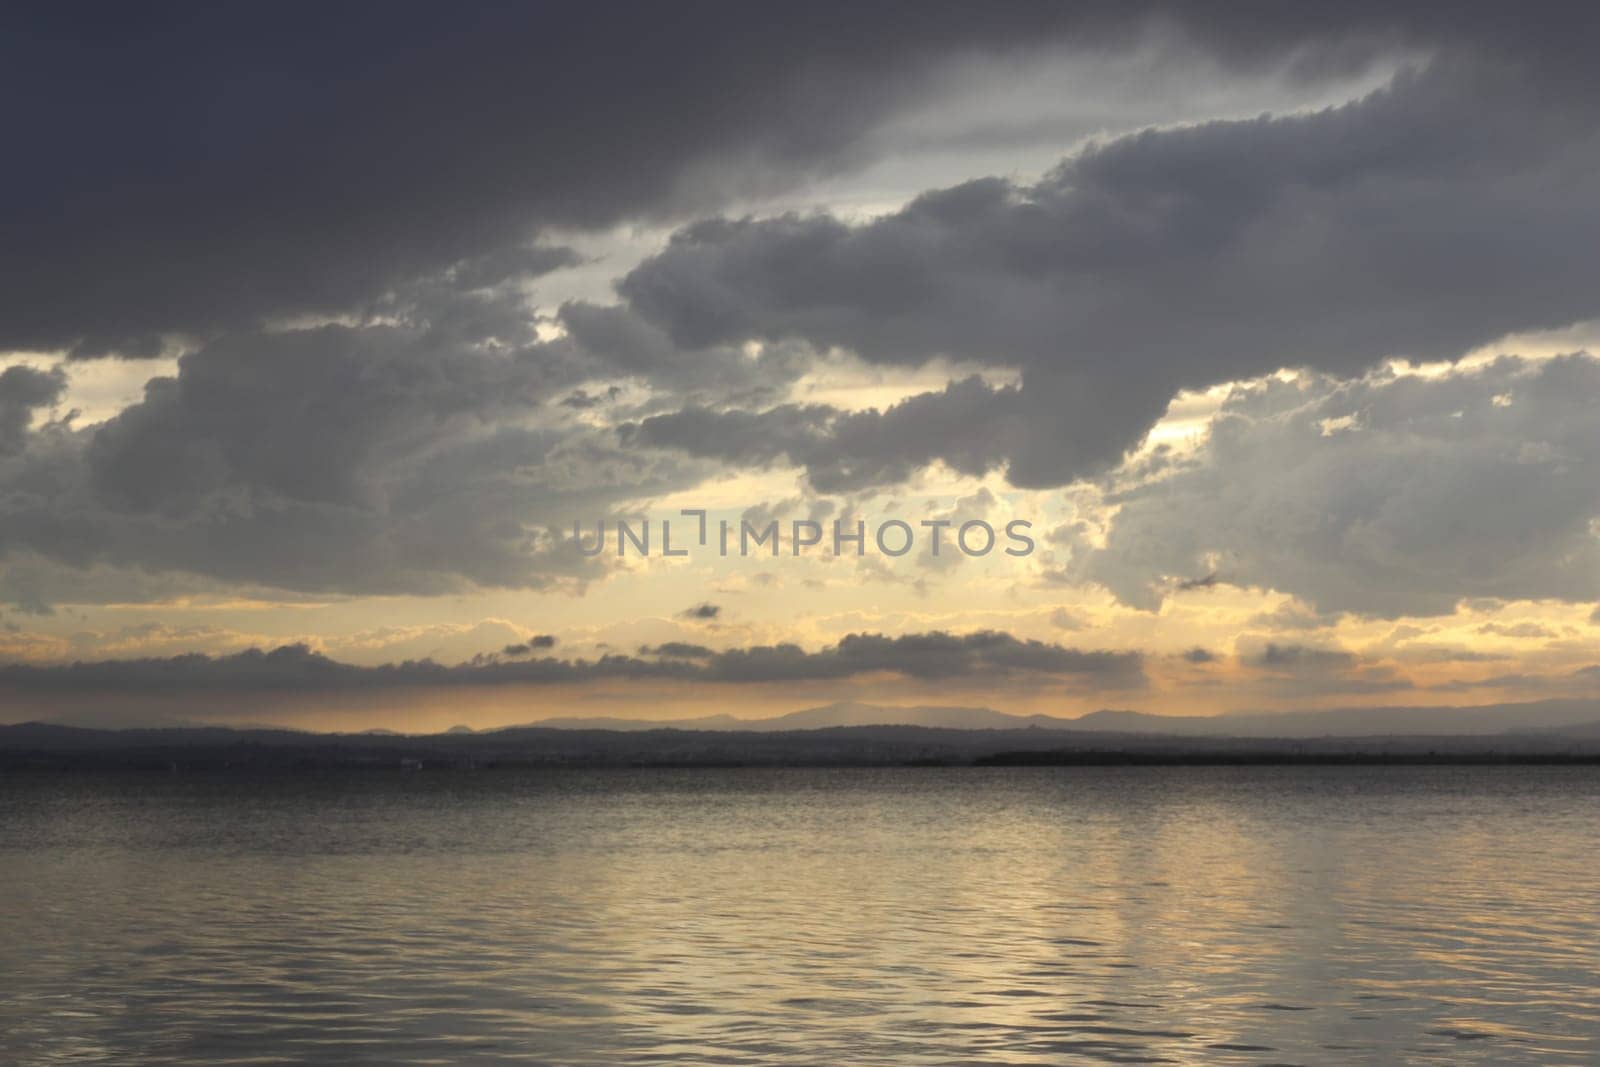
1475	721
1339	722
851	735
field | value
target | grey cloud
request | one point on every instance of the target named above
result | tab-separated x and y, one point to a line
199	168
615	341
677	650
927	656
202	167
702	612
1293	616
1521	629
1437	214
23	390
226	169
969	425
415	452
514	263
1066	619
1584	680
1277	656
298	668
1479	483
533	644
1294	670
1199	655
302	415
1420	653
581	400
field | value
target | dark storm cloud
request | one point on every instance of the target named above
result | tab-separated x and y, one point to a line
934	655
184	167
23	390
1439	213
187	167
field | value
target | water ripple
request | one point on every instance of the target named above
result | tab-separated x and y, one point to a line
1190	916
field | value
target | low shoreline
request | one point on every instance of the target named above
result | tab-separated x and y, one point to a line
39	748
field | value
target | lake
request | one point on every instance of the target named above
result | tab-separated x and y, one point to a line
1200	915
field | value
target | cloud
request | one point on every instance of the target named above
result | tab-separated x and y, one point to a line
23	390
1585	680
1521	629
927	656
703	612
227	167
1275	656
1297	671
1476	483
365	403
614	341
416	452
1428	218
426	448
581	400
299	668
533	644
1067	619
677	650
964	425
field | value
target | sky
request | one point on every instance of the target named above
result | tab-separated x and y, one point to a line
323	329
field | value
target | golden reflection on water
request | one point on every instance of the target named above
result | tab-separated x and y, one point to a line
1192	916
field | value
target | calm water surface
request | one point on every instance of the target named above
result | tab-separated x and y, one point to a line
1192	916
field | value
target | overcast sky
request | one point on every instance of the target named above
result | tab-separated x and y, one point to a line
321	326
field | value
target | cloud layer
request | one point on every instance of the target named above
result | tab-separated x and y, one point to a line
298	668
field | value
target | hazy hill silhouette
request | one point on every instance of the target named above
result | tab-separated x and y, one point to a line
1399	720
844	735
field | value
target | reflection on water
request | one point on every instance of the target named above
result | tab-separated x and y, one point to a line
1193	916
